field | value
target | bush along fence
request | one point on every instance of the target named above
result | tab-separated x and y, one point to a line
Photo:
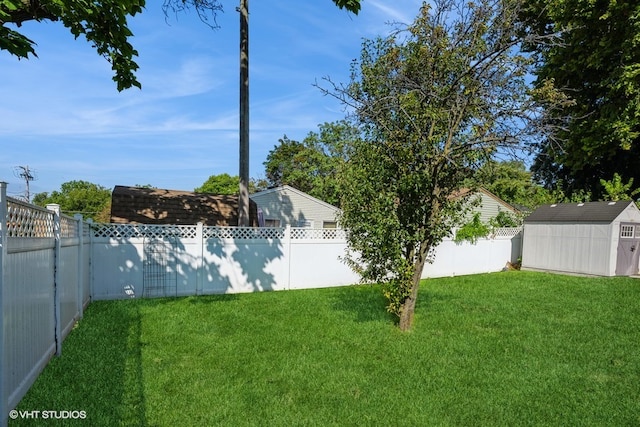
52	265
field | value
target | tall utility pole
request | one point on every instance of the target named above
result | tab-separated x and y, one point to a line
243	200
24	173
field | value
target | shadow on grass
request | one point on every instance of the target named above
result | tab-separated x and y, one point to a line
364	303
100	371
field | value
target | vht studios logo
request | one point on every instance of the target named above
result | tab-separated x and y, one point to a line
51	415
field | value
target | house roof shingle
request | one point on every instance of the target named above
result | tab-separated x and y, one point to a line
137	205
589	212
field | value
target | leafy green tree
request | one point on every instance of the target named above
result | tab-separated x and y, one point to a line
510	181
616	190
434	101
220	184
91	200
228	185
506	219
104	24
288	164
472	230
311	165
596	63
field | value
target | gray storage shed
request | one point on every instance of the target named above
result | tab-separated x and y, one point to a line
595	238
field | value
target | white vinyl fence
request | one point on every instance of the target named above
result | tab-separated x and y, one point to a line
53	265
44	286
160	260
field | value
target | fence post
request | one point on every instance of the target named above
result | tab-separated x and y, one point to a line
56	276
91	293
80	270
287	244
200	260
4	415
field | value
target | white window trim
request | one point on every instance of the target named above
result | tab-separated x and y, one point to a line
627	231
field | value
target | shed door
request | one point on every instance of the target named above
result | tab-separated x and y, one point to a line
628	250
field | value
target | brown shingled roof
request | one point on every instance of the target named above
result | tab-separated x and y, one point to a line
137	205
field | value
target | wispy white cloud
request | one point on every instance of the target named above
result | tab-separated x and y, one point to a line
62	115
398	12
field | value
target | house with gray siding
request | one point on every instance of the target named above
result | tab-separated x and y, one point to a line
285	205
489	205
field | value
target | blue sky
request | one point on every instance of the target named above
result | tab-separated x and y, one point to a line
61	114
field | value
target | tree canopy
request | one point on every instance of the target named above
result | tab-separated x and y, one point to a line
512	182
311	165
596	62
228	185
104	24
434	100
220	184
83	197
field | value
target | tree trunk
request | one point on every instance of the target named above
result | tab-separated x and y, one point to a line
408	307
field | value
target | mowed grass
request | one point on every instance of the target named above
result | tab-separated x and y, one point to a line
513	348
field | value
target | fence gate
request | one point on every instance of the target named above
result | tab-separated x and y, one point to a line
159	275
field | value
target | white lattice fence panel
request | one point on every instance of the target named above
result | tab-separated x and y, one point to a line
506	232
318	233
25	220
68	227
127	231
86	230
243	233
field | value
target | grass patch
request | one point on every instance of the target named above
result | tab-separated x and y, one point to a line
516	348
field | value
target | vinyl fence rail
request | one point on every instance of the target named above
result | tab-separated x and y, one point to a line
44	286
177	260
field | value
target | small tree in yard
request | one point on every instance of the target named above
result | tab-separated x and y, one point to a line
434	101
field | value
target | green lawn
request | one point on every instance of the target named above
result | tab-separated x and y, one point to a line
515	348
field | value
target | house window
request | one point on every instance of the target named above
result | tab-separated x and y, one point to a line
329	224
305	223
626	231
271	222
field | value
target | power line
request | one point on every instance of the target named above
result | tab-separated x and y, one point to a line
23	172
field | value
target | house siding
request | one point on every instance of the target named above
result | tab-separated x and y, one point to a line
293	207
489	207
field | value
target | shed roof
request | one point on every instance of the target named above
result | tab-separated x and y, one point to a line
589	212
140	205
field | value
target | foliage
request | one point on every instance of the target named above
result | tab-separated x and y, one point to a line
492	350
104	24
511	182
311	165
601	132
472	230
228	185
616	190
434	101
506	219
220	184
91	200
